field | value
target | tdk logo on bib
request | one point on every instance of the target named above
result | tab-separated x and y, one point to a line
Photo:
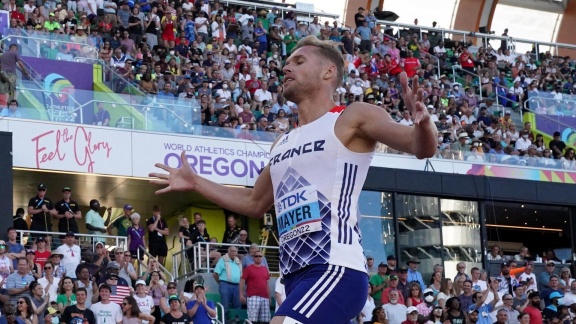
298	213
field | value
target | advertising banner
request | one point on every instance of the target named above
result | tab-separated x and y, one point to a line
71	148
222	161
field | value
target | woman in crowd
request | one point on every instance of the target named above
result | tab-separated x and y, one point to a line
135	235
446	292
50	283
34	269
156	290
436	316
436	282
131	313
454	315
67	294
566	278
25	312
378	316
414	295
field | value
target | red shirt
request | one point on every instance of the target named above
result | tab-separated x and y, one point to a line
466	60
42	257
256	281
411	65
535	314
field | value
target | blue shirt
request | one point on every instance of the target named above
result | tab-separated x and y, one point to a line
201	316
220	269
543	280
6	112
15	248
190	31
364	32
416	276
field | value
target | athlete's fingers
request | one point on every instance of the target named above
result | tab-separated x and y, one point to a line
163	191
163	167
404	83
415	86
158	176
420	94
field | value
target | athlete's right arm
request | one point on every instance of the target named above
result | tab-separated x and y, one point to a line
253	202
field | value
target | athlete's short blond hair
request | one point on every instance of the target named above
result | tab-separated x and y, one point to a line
329	50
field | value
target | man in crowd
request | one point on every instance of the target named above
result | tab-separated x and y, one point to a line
41	209
395	311
105	311
379	282
79	313
71	254
67	212
123	222
16	250
201	310
414	274
227	274
17	283
255	279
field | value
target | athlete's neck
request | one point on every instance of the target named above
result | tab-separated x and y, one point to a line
314	107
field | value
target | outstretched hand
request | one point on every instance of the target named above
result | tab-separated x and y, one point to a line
414	99
177	179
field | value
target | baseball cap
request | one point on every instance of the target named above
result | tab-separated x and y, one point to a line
413	260
173	297
30	252
99	243
140	282
473	310
52	311
403	268
411	310
227	62
70	234
41	186
128	207
66	189
555	295
391	257
382	264
550	262
393	277
40	239
113	265
196	285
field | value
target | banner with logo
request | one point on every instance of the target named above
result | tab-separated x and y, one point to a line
223	161
71	147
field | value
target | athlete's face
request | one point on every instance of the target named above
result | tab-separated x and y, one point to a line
302	71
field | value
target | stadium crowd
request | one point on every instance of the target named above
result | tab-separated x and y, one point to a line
227	61
68	279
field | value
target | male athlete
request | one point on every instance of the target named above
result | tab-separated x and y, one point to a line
314	178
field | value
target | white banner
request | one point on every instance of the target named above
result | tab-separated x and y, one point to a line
224	161
70	147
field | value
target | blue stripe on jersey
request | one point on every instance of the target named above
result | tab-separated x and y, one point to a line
348	183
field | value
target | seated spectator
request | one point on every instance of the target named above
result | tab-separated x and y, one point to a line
156	290
49	283
17	283
86	281
66	294
33	268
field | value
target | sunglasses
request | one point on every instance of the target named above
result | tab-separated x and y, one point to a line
47	268
124	304
172	287
2	245
20	302
257	256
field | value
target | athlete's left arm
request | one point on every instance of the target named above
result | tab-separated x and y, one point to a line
376	124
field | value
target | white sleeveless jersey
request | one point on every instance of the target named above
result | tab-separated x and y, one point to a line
317	181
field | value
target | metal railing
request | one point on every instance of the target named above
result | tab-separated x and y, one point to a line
283	10
57	114
36	44
202	262
92	239
141	249
480	38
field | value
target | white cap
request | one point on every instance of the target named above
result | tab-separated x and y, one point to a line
411	309
140	282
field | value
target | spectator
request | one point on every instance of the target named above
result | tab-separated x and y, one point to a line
507	282
71	254
395	311
175	316
379	282
145	302
255	279
156	290
227	274
66	294
135	235
127	271
544	276
18	282
393	285
59	269
86	281
33	268
553	287
413	273
15	249
201	310
25	310
118	291
105	311
41	210
232	233
67	212
157	230
12	109
39	304
123	222
9	62
80	311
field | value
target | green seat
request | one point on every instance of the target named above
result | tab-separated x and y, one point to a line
215	298
241	313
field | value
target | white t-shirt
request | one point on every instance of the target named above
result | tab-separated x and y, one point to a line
279	288
107	313
479	286
569	299
367	309
187	6
53	291
396	313
71	259
94	7
201	20
525	277
145	304
263	95
231	48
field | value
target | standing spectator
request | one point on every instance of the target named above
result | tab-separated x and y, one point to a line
359	17
553	287
86	281
201	310
118	291
557	146
544	276
71	254
136	237
175	316
145	302
18	221
528	276
67	212
41	210
123	222
232	233
18	282
248	259
157	230
379	282
105	311
477	283
200	234
365	34
39	298
79	312
255	278
95	224
127	270
9	62
507	282
413	273
156	290
533	308
479	299
227	274
15	249
290	41
102	116
467	296
461	270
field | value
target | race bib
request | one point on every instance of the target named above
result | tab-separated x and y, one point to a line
298	213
